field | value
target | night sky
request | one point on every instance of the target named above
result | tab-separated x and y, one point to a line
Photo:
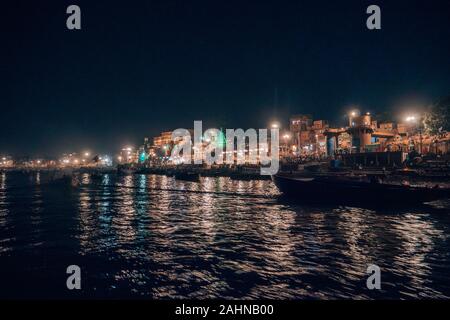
139	67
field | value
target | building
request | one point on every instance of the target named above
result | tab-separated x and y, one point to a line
128	155
6	162
361	131
307	135
366	135
164	139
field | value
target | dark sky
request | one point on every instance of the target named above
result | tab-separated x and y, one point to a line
139	67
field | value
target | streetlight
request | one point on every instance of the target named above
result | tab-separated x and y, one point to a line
352	114
414	119
275	125
286	137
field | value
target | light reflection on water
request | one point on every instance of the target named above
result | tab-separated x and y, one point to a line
218	238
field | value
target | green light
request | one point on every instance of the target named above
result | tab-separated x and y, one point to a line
142	157
221	139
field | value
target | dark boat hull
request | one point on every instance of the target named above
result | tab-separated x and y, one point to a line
335	191
248	177
194	177
125	170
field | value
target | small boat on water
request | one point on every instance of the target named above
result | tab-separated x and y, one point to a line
248	176
239	176
61	177
125	170
187	176
370	189
96	176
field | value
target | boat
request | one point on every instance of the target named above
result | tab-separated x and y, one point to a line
96	176
345	189
247	173
187	176
125	170
248	176
61	177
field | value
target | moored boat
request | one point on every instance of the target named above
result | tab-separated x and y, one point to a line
61	177
187	176
125	170
248	176
96	176
355	190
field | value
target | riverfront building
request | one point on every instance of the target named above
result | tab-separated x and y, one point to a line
307	135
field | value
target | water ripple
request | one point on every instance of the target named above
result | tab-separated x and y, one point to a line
153	236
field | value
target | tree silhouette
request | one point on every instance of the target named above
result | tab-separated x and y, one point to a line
437	117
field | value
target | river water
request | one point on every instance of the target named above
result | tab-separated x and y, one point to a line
149	236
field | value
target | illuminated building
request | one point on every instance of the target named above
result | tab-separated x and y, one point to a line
6	162
128	155
165	138
366	135
307	135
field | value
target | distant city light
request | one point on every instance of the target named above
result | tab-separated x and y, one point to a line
107	160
